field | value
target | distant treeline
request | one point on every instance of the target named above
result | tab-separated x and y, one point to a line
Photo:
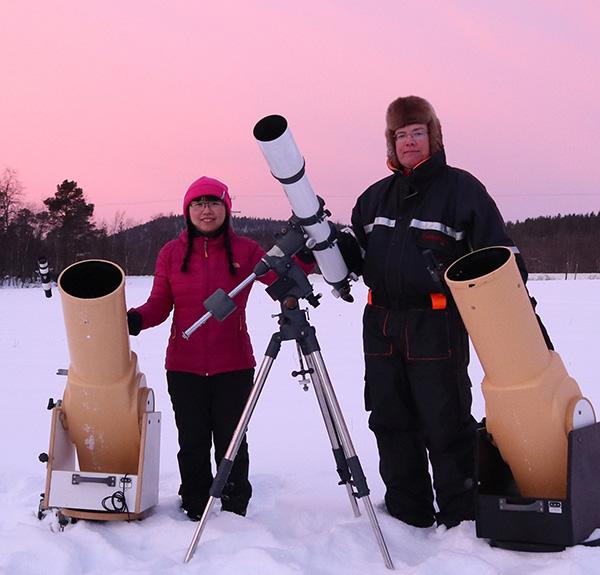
64	231
559	244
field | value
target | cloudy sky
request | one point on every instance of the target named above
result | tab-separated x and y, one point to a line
135	99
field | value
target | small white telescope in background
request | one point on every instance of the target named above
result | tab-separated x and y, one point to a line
44	271
287	165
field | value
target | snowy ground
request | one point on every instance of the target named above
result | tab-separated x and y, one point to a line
299	520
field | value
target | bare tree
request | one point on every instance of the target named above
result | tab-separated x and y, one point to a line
120	223
11	191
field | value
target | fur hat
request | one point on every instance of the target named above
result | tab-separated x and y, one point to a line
404	112
206	186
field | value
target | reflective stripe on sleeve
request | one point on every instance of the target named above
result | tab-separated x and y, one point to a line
379	222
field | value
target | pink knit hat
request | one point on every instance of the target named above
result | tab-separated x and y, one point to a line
206	186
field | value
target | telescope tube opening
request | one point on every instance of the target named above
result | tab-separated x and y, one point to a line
91	279
270	128
477	264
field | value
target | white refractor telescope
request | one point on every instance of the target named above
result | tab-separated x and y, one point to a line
103	458
287	165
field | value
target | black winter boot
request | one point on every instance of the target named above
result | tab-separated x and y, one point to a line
232	501
194	506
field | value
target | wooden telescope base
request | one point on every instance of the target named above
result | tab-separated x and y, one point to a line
104	515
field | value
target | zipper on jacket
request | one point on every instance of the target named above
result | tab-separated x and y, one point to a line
399	235
205	247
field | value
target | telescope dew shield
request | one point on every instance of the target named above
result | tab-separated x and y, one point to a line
529	397
102	401
287	165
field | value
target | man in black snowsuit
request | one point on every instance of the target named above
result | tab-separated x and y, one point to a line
409	227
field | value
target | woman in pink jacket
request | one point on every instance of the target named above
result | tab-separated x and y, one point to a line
209	375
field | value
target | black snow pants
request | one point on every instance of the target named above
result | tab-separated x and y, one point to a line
419	394
207	410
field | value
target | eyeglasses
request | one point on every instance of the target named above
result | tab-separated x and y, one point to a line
418	134
201	204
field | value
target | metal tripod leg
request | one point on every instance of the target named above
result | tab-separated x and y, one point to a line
334	421
320	379
338	451
227	462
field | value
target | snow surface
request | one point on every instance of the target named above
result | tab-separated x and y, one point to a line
299	519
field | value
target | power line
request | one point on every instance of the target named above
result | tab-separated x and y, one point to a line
337	196
550	194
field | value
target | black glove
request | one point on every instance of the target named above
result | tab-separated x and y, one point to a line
350	251
134	322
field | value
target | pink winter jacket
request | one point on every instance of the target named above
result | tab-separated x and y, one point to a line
215	347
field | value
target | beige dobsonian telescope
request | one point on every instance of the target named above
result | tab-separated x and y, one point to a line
531	403
103	459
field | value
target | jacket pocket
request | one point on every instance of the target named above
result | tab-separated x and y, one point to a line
427	335
441	246
375	342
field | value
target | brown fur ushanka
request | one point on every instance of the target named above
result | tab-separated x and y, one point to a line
411	110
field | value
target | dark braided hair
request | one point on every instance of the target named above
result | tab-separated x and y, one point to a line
193	232
227	243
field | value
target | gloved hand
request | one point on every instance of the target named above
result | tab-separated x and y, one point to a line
350	250
134	322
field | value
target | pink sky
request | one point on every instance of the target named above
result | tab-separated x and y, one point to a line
135	99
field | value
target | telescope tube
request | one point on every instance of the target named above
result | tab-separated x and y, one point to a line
102	397
530	399
287	165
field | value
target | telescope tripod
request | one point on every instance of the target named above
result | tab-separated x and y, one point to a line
294	325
